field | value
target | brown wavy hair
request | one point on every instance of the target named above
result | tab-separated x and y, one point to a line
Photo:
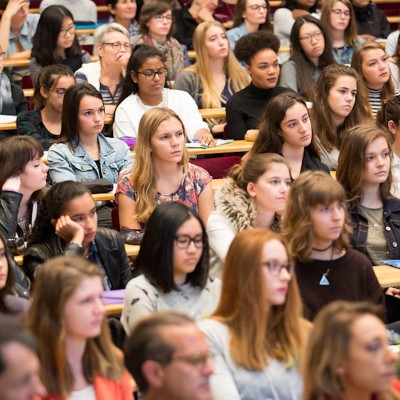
310	189
351	163
321	114
256	334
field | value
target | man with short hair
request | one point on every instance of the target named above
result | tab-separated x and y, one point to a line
19	363
168	357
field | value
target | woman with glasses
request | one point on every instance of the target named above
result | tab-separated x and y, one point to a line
123	12
216	75
55	41
174	263
250	16
145	87
44	123
317	234
257	332
156	27
284	18
340	24
106	75
311	52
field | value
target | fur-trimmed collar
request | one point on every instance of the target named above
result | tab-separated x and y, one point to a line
235	205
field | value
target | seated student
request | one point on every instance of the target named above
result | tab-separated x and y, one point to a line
317	235
391	42
55	41
156	27
67	225
12	99
12	301
106	75
83	153
20	367
44	123
372	22
388	118
145	87
216	75
339	103
244	110
257	333
174	263
161	172
286	129
348	355
190	15
339	21
82	10
372	64
311	52
123	12
155	343
284	18
22	180
254	195
68	319
250	16
17	27
367	179
394	65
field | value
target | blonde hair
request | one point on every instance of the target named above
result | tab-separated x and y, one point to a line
143	173
328	348
237	77
310	189
55	283
257	334
356	63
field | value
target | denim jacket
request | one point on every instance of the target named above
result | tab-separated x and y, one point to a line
391	228
346	55
77	165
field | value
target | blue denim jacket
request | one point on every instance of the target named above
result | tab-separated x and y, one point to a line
347	54
391	228
77	165
235	34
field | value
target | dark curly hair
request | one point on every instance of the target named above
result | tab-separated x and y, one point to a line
249	45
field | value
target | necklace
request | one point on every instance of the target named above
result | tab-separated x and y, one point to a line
324	281
322	250
164	101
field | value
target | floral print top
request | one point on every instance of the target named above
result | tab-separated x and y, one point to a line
193	183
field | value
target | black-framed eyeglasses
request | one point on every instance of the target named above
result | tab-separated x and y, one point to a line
118	45
183	241
275	267
3	55
316	35
148	74
71	30
258	7
340	12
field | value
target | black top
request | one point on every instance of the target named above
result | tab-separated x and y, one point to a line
371	21
244	110
311	162
350	278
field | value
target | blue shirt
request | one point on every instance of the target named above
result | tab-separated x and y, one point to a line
25	35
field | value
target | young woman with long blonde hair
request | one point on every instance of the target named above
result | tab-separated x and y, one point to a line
216	75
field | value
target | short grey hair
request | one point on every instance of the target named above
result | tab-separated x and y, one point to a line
101	31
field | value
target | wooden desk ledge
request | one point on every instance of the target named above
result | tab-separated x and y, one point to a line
387	276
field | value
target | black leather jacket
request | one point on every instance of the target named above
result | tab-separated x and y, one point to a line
109	245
